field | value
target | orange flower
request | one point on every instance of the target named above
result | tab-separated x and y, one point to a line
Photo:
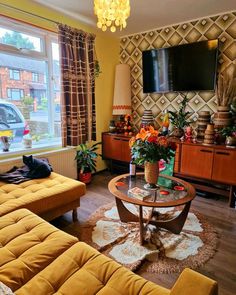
131	141
153	131
162	140
142	134
146	132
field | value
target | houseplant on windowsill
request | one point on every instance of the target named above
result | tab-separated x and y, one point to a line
86	161
148	148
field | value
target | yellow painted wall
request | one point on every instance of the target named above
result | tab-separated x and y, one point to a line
107	49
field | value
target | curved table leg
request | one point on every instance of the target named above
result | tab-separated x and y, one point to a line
124	213
176	224
141	227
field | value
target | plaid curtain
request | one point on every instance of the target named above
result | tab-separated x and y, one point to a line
78	86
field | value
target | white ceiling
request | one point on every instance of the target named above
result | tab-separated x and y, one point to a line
146	14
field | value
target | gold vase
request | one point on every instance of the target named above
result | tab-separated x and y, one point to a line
151	173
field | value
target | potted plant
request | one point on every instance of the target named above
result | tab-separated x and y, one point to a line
229	133
86	161
179	119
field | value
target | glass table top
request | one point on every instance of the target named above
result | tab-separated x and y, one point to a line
169	189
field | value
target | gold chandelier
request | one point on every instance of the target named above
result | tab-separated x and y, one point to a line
111	13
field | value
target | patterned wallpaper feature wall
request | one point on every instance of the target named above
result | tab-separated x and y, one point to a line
222	27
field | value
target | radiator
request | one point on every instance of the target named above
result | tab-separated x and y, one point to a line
62	161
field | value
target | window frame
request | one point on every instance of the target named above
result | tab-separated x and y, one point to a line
13	71
47	38
12	89
34	74
23	28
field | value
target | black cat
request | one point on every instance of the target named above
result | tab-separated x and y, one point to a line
37	167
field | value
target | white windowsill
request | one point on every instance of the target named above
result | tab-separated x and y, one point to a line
14	152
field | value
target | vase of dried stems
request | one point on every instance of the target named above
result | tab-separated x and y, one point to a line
225	93
151	173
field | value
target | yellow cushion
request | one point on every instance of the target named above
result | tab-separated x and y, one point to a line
192	282
86	271
28	244
40	195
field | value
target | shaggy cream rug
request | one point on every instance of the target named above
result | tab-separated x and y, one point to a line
163	252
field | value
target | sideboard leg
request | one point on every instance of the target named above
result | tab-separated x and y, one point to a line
232	196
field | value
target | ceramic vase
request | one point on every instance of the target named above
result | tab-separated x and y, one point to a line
223	117
151	173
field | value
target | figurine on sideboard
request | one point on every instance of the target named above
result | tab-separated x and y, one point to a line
188	135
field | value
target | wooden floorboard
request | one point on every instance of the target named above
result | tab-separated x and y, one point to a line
222	267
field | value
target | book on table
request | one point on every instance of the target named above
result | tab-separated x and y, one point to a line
139	193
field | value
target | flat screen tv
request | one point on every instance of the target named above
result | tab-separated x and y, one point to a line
187	67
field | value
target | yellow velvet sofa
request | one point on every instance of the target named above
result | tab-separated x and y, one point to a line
38	259
48	197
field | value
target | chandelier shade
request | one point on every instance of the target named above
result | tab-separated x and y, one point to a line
111	14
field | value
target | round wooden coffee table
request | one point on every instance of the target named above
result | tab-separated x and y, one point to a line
171	192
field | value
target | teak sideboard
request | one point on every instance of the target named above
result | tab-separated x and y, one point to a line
207	167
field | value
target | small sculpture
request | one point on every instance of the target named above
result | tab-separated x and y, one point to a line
165	123
188	135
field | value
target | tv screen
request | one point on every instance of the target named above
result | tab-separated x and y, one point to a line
187	67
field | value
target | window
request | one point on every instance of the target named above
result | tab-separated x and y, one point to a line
33	89
35	77
15	94
20	40
14	74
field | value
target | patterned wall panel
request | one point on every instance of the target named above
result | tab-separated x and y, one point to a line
222	27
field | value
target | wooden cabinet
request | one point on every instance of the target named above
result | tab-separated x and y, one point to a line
116	147
206	166
224	166
177	158
196	161
214	163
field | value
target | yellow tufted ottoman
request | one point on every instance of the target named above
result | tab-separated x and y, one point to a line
48	197
38	259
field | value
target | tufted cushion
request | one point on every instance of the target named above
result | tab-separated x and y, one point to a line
36	258
39	195
28	244
86	271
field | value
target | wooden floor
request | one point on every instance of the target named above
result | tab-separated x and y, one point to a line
222	267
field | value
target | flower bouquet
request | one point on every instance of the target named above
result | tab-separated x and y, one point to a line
148	148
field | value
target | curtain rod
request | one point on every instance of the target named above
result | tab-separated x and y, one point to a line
29	13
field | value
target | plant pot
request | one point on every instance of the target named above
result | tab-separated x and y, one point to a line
177	132
85	177
230	141
151	173
27	142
